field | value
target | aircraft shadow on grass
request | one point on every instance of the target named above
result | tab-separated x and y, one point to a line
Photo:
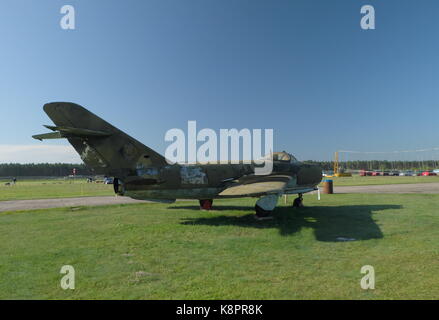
329	223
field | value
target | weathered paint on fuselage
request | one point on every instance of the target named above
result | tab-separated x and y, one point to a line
206	181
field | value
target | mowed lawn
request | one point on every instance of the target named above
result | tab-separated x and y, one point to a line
59	188
357	180
56	188
157	251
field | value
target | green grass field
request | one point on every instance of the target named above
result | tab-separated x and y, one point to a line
57	188
157	251
380	180
45	189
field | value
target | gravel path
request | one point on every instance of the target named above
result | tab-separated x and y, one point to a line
63	202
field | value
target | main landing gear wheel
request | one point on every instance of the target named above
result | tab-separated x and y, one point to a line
262	214
206	204
298	202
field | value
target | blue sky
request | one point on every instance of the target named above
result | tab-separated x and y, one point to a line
304	68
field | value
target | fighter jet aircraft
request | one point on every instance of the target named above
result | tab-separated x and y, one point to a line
141	173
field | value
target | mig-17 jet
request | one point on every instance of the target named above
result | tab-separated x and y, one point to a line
141	173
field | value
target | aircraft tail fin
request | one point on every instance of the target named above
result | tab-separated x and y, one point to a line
102	147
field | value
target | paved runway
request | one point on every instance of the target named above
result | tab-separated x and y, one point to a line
391	188
96	201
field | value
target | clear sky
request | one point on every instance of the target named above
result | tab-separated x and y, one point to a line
301	67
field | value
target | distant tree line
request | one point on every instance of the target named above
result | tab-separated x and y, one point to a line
65	169
378	165
42	169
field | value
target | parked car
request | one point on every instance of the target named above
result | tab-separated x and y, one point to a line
376	173
108	180
428	173
394	173
408	173
386	173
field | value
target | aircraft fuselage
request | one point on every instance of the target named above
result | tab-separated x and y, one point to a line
207	181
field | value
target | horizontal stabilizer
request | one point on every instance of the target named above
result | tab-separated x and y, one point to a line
69	132
50	135
79	131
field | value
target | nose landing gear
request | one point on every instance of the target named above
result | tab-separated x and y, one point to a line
298	202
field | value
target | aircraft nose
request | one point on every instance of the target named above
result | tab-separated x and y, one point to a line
309	175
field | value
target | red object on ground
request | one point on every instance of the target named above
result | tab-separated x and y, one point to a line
428	173
206	204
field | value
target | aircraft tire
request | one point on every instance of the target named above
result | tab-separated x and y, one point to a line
206	204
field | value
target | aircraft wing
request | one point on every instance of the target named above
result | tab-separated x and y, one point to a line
263	185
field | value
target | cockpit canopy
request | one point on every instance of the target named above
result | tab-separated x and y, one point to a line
280	156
